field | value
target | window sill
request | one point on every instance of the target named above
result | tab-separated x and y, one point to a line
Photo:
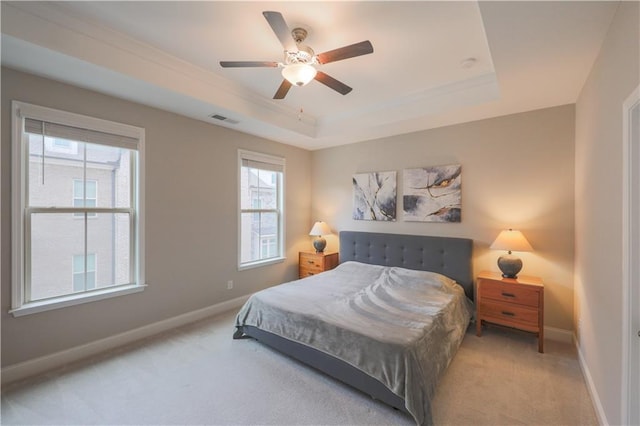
76	299
259	263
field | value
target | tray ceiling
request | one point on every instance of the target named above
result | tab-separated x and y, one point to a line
434	63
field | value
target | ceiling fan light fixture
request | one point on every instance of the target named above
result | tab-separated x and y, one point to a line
299	74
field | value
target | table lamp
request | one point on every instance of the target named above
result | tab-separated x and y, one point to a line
510	240
319	229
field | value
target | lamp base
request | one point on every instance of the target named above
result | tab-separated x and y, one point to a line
510	265
319	244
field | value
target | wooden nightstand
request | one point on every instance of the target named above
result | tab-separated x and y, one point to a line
517	303
310	263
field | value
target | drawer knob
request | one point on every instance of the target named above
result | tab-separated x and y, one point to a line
509	314
508	294
310	261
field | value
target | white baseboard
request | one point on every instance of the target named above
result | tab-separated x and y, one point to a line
35	366
558	334
595	398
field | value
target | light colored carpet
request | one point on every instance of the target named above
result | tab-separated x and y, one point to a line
198	375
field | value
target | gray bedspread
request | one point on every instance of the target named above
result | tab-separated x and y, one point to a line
400	326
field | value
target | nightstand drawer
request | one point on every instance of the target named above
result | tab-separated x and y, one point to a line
310	269
519	294
307	273
315	263
510	314
311	262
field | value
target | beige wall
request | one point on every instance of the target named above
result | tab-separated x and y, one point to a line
517	171
598	270
191	201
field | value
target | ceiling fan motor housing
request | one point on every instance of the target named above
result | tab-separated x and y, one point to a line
304	55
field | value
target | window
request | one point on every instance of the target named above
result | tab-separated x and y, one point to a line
268	246
85	194
261	200
61	145
84	272
61	234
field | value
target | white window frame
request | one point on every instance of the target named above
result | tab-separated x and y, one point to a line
21	111
280	235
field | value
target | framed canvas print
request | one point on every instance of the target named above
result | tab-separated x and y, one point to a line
432	194
374	196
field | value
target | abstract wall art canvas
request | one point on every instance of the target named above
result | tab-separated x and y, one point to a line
374	196
432	194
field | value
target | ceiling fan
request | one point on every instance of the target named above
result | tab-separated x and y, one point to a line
299	60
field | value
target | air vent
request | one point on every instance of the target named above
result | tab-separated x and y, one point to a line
223	118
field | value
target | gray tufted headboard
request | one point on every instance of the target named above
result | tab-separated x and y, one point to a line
444	255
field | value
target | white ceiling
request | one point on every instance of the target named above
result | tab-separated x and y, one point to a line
528	55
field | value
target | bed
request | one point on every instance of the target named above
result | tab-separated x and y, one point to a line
387	321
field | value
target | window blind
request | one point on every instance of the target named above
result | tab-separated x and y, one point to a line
63	131
262	166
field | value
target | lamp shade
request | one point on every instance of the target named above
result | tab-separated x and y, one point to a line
299	74
319	229
511	240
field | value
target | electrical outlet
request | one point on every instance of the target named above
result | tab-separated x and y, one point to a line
229	284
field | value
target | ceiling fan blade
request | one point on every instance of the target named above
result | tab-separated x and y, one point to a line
282	90
346	52
279	26
334	84
244	64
